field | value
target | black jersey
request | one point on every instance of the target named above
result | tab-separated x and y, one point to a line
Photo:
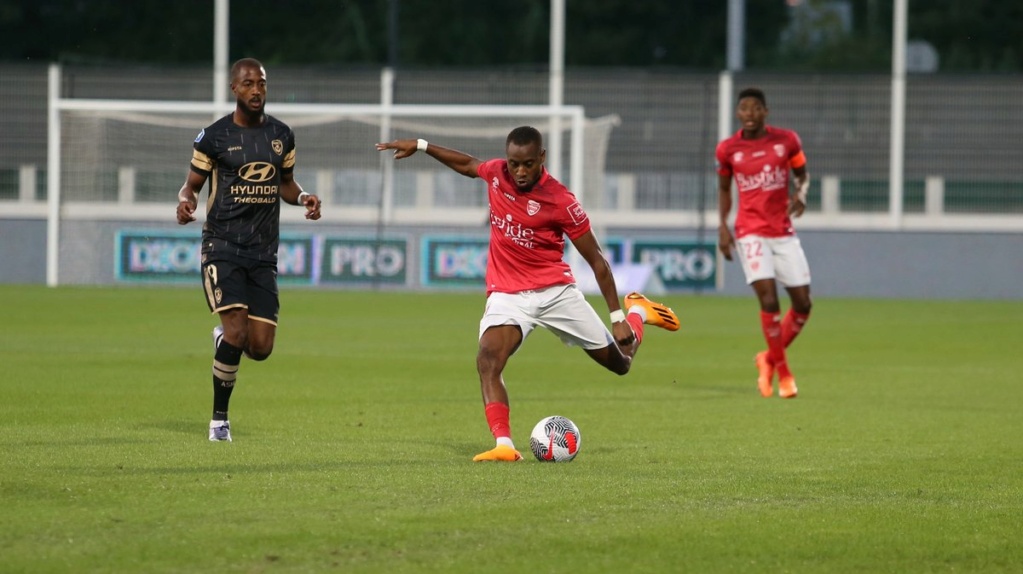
244	206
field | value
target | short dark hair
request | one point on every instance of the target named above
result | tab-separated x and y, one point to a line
752	93
244	63
525	135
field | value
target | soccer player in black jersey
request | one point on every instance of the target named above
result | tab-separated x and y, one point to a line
251	158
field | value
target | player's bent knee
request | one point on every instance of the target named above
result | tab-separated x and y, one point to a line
612	359
260	353
621	368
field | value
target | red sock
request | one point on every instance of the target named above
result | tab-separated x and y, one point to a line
636	322
792	325
498	418
771	325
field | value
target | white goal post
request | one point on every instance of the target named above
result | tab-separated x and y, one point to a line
125	159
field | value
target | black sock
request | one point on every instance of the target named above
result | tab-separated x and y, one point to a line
225	370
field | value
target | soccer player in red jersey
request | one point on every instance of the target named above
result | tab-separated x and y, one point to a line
527	280
759	157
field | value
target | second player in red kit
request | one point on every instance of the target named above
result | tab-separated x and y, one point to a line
760	159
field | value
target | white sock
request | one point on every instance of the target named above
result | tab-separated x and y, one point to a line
506	441
641	311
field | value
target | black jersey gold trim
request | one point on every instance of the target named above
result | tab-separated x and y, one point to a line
244	166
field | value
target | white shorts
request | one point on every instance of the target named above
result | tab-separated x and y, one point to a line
562	309
779	258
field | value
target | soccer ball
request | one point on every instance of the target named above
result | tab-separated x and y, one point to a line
555	439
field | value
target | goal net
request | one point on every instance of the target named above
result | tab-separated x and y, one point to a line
122	163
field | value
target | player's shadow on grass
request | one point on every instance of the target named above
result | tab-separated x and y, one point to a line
181	426
78	441
714	391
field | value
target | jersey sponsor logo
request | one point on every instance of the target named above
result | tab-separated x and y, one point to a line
254	193
532	208
509	196
576	212
759	153
278	146
521	236
779	150
234	148
199	137
494	183
257	171
770	179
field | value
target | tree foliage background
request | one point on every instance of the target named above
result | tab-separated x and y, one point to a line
969	35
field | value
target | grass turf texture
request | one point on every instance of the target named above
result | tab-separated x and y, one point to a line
353	443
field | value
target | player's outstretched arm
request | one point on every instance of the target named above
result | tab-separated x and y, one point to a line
188	197
462	163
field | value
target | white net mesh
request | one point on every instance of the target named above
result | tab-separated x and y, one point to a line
142	156
121	169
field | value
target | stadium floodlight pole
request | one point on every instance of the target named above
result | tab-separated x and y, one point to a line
386	208
736	35
53	177
556	88
725	109
221	16
898	115
393	38
725	114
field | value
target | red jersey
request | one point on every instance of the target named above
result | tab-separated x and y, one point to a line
761	170
527	230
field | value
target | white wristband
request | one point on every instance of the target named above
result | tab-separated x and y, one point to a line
421	144
301	200
802	189
617	316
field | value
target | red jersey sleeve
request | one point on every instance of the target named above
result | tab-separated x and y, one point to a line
721	159
575	222
483	169
796	156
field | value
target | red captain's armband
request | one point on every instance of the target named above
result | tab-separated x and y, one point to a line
798	160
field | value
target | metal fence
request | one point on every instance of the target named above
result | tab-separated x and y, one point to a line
961	155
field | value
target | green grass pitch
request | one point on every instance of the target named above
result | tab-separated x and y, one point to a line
353	442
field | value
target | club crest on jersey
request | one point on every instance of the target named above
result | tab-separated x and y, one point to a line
779	150
532	207
199	137
576	212
494	183
278	146
737	157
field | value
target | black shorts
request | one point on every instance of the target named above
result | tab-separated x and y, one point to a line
248	285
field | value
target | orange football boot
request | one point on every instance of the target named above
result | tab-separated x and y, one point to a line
657	314
500	453
765	374
787	387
